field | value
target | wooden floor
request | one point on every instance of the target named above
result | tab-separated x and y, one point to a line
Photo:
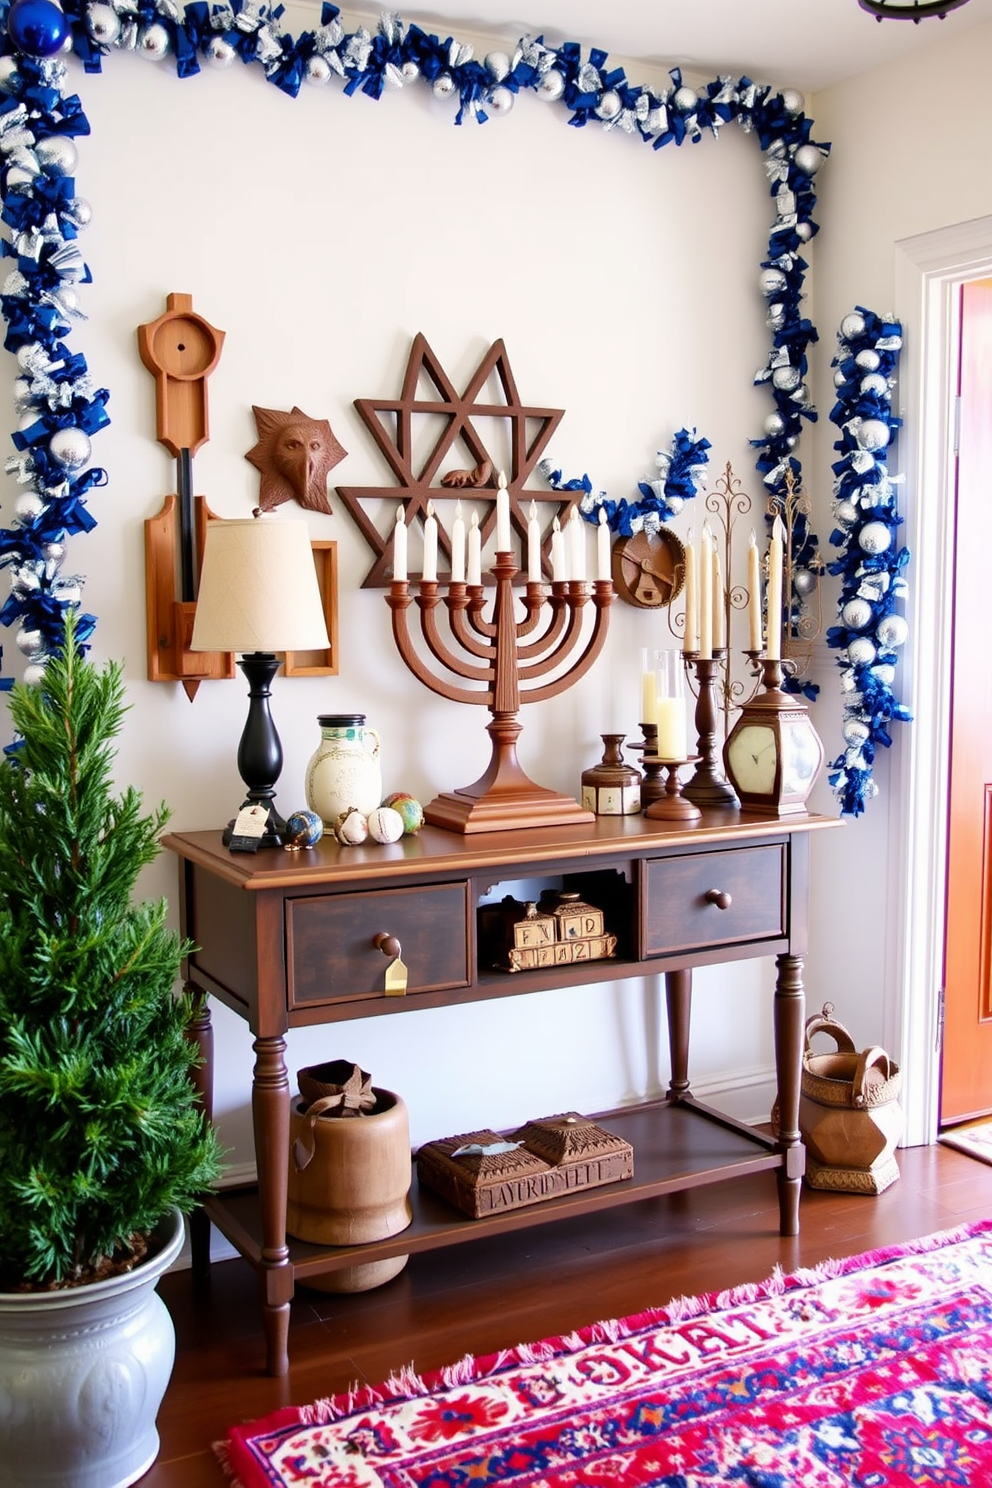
499	1292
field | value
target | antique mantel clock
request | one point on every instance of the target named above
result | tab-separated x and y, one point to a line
773	753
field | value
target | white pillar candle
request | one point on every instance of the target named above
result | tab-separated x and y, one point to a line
533	546
430	545
576	545
754	595
706	595
399	545
719	611
504	542
603	546
458	546
474	575
690	636
559	562
773	646
670	716
649	687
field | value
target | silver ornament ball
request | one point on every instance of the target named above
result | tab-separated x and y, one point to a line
685	99
410	72
892	631
498	64
792	101
70	448
28	506
861	651
775	319
874	537
804	231
443	85
79	211
501	100
103	24
23	396
872	434
154	43
30	642
772	281
786	378
609	105
218	52
316	71
868	360
839	378
775	425
803	581
856	614
874	383
846	513
855	732
808	159
551	86
852	325
57	155
34	674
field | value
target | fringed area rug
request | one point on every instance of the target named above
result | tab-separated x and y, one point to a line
873	1372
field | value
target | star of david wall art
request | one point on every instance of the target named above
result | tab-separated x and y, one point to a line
462	462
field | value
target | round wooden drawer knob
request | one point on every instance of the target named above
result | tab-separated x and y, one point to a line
719	897
387	944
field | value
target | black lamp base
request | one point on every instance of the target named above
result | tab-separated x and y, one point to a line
260	751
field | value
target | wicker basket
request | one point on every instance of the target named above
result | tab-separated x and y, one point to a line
849	1113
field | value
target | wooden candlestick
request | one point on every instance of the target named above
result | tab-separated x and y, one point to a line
708	786
673	806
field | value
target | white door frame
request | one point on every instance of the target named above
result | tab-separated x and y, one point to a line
928	270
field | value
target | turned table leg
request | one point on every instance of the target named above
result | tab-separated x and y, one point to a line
270	1118
678	995
201	1034
790	1007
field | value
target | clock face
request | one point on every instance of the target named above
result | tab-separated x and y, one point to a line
752	759
801	756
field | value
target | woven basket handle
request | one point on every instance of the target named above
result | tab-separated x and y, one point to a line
871	1059
825	1022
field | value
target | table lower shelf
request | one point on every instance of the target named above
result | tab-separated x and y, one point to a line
676	1146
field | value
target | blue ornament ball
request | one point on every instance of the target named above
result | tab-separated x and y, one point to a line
303	829
37	27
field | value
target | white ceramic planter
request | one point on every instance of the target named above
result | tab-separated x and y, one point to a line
82	1376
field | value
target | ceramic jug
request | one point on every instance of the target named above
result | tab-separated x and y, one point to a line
344	769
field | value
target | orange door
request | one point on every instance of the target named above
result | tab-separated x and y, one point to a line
966	1073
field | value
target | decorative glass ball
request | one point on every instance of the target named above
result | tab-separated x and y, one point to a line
57	155
609	105
154	43
852	325
443	85
70	448
803	581
868	360
103	24
892	631
303	829
861	651
30	642
792	101
551	86
872	434
501	100
385	824
316	71
37	27
840	377
855	732
79	211
772	281
846	513
856	614
410	72
874	537
498	64
220	53
808	159
685	99
774	425
786	378
34	674
875	383
28	506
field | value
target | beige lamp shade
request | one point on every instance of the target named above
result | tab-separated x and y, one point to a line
258	588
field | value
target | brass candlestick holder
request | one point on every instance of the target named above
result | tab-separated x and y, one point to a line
508	660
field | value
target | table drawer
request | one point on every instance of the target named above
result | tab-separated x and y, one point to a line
331	952
715	898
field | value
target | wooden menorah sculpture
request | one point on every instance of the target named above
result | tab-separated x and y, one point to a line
509	661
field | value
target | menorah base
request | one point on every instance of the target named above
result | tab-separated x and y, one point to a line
504	810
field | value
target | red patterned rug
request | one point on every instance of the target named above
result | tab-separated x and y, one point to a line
871	1372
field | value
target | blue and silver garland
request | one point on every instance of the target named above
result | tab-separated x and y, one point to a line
43	213
680	473
872	563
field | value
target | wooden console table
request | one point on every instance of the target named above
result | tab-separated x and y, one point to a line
293	939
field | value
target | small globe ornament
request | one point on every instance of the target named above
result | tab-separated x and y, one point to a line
303	829
852	325
70	448
57	155
868	360
409	809
37	27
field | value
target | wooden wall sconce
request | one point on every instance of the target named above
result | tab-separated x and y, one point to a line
180	349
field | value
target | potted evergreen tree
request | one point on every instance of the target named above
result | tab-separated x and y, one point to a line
102	1143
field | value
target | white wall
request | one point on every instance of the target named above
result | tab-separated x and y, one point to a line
321	234
911	143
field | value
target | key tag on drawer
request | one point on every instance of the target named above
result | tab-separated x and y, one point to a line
396	978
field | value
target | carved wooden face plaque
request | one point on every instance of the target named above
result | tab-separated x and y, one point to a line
295	455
